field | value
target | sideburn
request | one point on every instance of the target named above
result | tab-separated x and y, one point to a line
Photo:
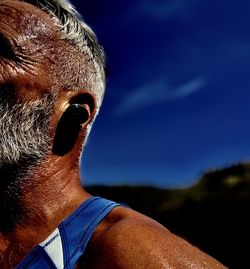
13	175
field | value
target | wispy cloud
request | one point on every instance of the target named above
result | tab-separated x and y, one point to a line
157	11
157	92
160	10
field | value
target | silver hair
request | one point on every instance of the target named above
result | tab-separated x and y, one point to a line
78	33
24	129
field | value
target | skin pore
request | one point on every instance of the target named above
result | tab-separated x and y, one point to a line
39	189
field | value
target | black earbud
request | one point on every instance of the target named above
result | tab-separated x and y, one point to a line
68	128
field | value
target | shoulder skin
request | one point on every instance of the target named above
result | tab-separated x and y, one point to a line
127	239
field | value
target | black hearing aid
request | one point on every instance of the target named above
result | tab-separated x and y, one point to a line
68	129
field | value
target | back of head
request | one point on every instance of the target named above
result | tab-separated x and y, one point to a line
85	66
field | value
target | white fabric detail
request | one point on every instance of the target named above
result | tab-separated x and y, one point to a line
53	247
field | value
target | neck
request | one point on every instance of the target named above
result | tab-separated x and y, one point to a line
48	195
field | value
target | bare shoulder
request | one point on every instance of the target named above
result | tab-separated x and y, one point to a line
128	239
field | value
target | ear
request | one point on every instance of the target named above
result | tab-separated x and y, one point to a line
77	115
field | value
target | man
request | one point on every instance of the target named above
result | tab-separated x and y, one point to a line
52	83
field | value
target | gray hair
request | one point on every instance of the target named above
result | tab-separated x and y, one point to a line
78	33
24	129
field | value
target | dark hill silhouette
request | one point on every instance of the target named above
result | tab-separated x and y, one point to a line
212	214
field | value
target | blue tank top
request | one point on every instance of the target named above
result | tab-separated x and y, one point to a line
63	248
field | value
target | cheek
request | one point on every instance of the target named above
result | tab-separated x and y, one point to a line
29	87
27	94
28	84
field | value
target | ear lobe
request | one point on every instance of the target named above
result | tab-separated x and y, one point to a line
80	112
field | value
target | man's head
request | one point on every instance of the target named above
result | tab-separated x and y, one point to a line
49	60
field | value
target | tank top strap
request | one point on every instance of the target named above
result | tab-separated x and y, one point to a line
77	230
68	242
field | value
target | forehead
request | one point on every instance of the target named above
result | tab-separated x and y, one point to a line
21	18
34	37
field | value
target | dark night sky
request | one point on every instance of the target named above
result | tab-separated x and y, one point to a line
177	100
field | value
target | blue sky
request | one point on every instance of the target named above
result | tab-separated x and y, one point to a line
178	92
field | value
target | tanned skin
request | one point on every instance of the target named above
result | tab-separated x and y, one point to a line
125	239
